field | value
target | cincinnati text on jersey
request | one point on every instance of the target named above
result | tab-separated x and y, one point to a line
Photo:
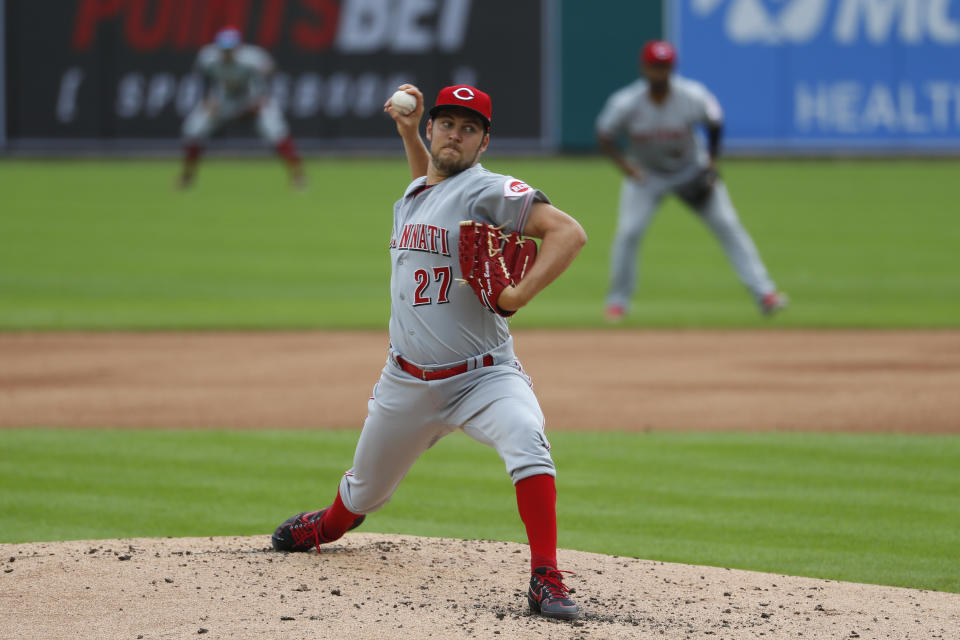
423	237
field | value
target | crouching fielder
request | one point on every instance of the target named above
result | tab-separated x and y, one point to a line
238	79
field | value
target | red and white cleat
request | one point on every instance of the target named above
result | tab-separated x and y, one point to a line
615	313
773	302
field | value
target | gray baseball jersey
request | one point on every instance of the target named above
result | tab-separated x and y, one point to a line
242	79
661	137
663	140
437	324
235	86
433	320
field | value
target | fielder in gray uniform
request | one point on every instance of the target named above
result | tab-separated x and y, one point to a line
238	79
659	115
451	364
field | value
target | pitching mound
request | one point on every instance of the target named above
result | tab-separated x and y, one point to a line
389	586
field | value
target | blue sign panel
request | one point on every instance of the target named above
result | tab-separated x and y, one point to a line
827	74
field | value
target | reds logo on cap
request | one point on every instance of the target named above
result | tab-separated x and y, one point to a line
659	52
462	95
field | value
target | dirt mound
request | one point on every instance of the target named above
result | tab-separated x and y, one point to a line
389	586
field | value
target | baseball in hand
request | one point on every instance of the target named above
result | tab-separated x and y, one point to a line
403	103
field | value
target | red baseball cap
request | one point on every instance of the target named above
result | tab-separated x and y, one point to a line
467	97
659	52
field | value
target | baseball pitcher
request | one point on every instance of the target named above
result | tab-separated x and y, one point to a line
659	116
463	259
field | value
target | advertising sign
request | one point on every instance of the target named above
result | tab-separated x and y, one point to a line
122	69
827	74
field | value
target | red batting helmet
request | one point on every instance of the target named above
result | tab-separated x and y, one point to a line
467	97
659	52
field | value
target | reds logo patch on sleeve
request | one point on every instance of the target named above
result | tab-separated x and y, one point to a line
513	188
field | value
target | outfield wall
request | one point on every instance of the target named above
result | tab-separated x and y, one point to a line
109	73
105	75
798	76
794	76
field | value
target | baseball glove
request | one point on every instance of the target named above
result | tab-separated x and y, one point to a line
491	261
696	190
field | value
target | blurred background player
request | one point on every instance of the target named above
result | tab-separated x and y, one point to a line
659	114
238	88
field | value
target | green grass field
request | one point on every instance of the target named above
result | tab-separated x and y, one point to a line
109	245
102	245
867	508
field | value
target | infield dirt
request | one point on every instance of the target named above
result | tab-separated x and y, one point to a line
379	586
624	380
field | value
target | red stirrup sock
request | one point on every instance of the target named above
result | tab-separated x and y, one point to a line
288	151
537	502
336	520
191	152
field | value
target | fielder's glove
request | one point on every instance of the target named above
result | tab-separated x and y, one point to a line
696	190
491	261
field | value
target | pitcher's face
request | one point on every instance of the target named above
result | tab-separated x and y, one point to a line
457	138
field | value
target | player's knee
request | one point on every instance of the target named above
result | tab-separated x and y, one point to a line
529	472
631	233
197	126
192	133
273	130
533	468
273	138
526	453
